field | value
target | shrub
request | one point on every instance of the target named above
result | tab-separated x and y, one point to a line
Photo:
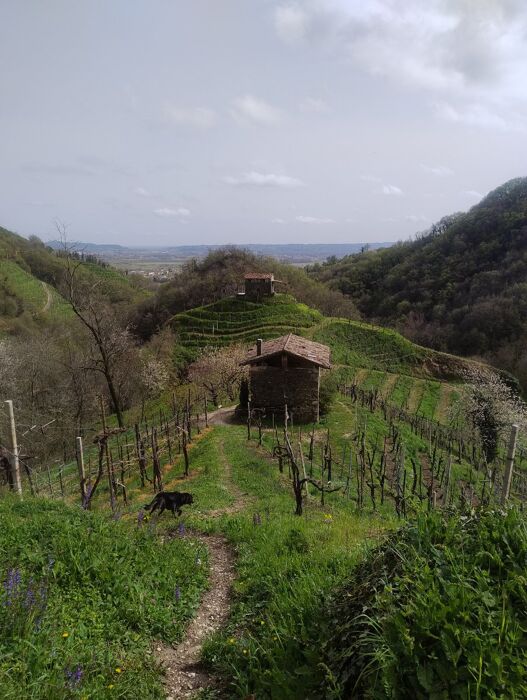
438	611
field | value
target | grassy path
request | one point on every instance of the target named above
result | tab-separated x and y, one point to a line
49	298
184	673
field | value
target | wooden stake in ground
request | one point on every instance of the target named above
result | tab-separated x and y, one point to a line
80	465
15	463
509	466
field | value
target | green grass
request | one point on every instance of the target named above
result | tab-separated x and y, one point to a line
93	593
31	294
239	321
22	285
439	611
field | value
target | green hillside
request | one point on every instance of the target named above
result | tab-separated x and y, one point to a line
235	320
31	276
461	287
408	375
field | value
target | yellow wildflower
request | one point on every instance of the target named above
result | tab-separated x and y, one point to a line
232	640
118	670
65	635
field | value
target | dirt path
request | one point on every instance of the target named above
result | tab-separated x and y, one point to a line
443	406
221	416
49	299
184	673
389	385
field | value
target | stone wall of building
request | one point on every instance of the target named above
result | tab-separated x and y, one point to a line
272	387
258	288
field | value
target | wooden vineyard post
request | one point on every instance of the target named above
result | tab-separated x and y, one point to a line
447	479
109	468
304	469
185	451
509	466
15	462
80	465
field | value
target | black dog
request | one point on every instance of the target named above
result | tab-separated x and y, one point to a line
173	500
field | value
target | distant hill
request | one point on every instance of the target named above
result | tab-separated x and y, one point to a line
461	287
298	253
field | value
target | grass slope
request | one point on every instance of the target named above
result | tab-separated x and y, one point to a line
376	358
235	320
27	266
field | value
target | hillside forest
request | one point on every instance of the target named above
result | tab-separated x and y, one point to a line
377	553
459	287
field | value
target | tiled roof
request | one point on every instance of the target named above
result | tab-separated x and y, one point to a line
259	276
294	345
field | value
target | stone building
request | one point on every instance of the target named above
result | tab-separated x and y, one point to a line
286	370
258	285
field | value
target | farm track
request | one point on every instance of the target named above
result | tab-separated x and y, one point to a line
388	386
416	395
443	405
49	299
185	675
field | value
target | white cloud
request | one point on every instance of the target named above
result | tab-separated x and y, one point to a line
439	170
370	178
250	109
168	212
141	192
278	221
314	220
312	104
291	23
198	117
255	179
478	115
385	187
391	189
444	45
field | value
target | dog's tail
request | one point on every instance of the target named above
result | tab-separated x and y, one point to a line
151	504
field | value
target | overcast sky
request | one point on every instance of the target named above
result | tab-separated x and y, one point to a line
211	121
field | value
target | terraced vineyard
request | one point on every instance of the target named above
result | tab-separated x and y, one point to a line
430	398
412	377
239	321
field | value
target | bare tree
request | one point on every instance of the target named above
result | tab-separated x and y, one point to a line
110	342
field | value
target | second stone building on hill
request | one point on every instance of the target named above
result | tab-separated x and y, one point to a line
286	371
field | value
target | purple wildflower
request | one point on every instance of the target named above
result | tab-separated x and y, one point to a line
181	529
73	676
11	585
177	594
29	601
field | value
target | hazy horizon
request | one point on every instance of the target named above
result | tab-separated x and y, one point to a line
298	121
